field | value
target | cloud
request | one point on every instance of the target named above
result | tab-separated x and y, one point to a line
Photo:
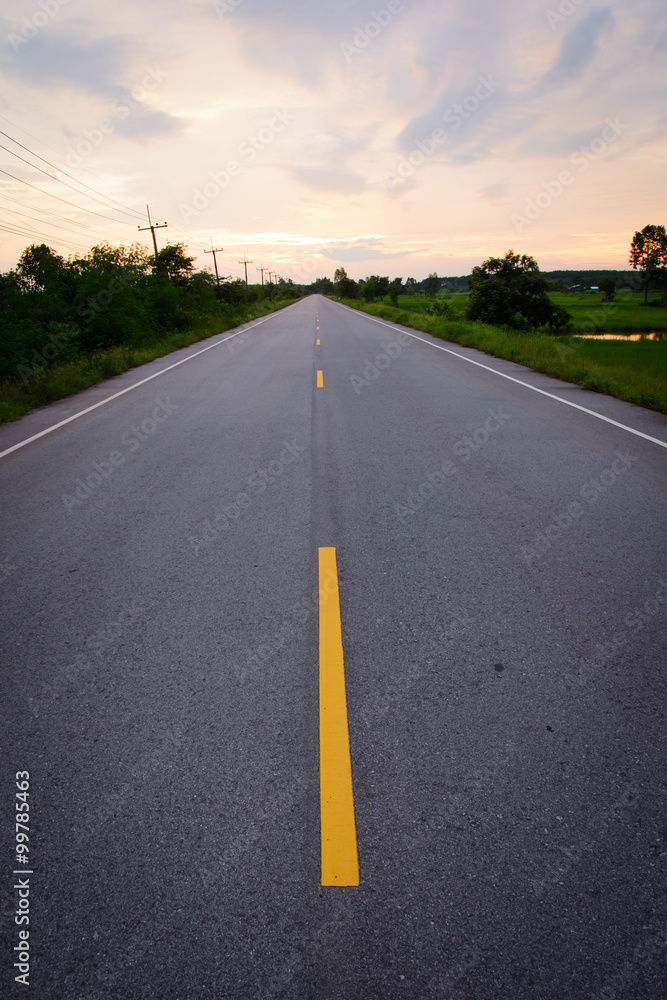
354	255
493	191
304	41
466	117
99	68
579	47
322	179
144	123
362	248
560	142
95	66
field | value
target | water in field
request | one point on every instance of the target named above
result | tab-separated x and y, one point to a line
620	336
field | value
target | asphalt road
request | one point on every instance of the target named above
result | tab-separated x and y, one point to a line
503	588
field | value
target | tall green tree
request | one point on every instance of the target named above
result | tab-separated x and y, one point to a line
431	285
173	261
648	253
39	267
369	289
381	285
346	288
395	289
512	291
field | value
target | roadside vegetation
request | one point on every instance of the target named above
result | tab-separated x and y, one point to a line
67	325
510	309
589	313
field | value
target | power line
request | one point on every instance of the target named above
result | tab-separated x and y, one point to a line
48	222
82	183
28	229
51	177
56	240
40	234
25	132
189	237
48	212
58	153
89	211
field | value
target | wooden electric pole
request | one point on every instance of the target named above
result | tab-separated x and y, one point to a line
152	226
214	251
245	263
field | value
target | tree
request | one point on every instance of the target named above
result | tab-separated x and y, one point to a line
39	267
608	287
374	287
323	286
173	261
346	288
512	291
395	289
369	289
648	253
381	286
431	285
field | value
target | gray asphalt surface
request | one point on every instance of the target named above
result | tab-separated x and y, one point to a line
503	590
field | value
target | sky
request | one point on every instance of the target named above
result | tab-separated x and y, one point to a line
400	137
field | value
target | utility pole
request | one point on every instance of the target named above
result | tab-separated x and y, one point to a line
262	269
152	226
214	251
245	263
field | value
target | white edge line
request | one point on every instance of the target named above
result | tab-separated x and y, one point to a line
136	385
527	385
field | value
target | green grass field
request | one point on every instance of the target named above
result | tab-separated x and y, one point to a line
632	370
627	313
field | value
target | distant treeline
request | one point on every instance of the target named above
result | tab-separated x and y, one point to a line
376	287
623	279
52	308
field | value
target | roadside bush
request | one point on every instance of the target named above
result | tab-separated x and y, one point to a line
512	291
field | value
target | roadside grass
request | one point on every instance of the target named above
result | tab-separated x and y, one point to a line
60	380
635	371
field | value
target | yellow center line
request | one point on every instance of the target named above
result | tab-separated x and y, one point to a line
340	864
320	380
318	343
